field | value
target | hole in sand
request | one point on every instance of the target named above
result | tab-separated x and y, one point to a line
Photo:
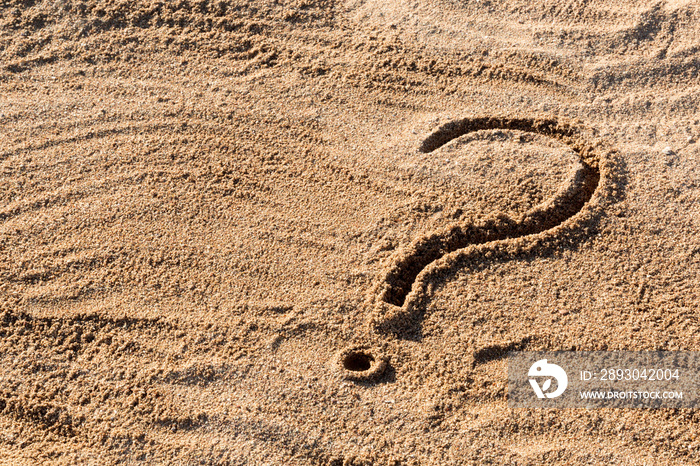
363	364
357	361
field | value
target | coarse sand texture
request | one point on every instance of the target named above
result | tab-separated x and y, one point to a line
309	232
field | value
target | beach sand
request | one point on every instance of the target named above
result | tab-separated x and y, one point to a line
205	206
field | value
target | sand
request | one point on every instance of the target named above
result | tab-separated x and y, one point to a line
309	232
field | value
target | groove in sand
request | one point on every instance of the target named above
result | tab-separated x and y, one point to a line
400	297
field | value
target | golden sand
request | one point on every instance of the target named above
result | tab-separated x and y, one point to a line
309	232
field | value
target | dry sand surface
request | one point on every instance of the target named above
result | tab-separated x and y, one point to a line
206	205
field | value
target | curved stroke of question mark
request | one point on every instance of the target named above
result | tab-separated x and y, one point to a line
399	298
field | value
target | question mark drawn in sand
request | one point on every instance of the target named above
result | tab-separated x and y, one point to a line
399	299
